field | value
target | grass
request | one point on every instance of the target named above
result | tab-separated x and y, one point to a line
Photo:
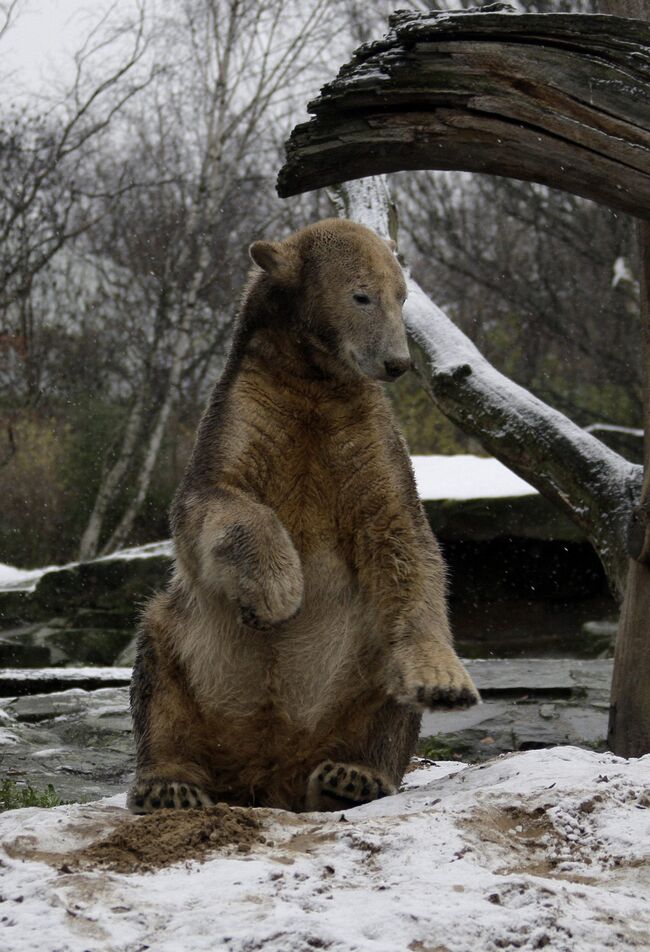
433	749
14	797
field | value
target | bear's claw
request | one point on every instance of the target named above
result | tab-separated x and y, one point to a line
437	698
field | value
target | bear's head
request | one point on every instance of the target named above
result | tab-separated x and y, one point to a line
347	290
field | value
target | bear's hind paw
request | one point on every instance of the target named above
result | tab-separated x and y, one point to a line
336	786
151	795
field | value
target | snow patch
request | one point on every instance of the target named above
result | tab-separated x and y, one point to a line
543	849
466	477
612	428
621	272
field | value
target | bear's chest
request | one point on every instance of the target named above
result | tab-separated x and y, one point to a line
321	481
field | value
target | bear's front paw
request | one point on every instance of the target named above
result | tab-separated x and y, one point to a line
272	601
441	685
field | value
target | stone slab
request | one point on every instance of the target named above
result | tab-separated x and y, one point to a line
80	740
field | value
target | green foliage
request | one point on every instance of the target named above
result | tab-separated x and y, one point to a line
32	491
48	485
13	797
433	749
95	427
425	428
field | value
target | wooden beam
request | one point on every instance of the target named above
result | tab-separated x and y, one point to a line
559	99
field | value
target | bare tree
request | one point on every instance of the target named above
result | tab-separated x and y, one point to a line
512	262
211	131
46	195
7	14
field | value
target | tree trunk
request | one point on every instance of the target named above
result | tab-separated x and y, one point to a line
152	450
112	480
629	713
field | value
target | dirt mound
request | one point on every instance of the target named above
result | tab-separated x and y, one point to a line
160	839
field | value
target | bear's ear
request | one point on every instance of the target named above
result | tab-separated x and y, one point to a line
280	261
391	244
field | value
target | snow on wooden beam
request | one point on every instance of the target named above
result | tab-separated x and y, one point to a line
560	99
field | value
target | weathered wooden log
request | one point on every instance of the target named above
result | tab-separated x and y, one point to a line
559	99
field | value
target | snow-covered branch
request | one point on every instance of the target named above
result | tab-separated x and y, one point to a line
595	486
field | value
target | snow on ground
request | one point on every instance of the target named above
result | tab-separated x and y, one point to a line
543	849
437	477
466	477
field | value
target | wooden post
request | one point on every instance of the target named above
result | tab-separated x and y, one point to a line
629	715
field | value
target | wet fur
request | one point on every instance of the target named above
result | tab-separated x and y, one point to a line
306	620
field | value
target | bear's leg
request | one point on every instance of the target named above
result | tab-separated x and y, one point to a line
336	786
147	796
172	763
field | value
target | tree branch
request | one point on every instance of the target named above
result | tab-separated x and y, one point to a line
595	486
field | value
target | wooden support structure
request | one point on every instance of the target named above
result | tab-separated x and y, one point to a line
559	99
629	718
629	712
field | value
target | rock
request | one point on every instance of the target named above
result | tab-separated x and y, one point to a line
115	584
507	627
16	682
517	713
521	581
17	649
600	636
41	645
82	615
529	517
107	593
80	739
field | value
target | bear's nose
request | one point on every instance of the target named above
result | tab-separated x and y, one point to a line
395	368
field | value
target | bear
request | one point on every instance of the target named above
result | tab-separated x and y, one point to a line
304	628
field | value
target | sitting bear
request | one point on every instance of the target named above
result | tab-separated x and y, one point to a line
305	626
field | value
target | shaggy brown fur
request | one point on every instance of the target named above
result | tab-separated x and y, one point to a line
305	626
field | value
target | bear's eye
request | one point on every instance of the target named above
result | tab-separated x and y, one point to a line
361	298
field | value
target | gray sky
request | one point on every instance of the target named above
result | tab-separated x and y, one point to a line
39	47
